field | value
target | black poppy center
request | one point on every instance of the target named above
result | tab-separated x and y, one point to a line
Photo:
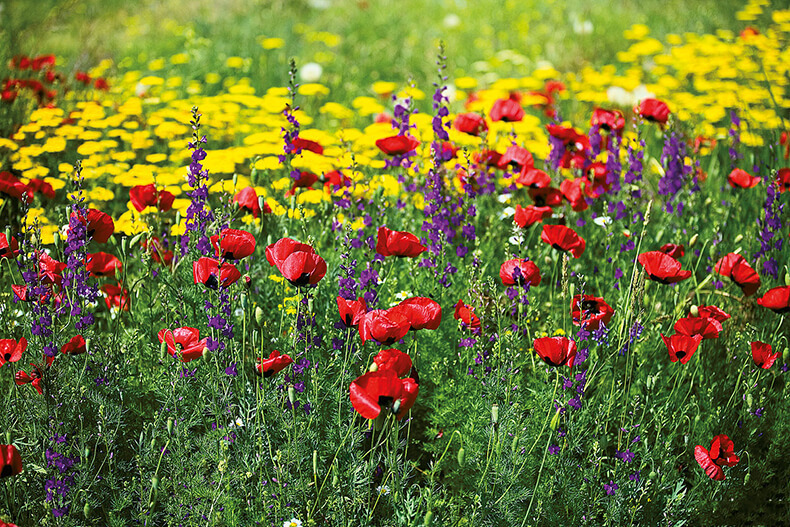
680	354
212	282
268	373
7	357
557	246
303	279
385	402
590	306
540	201
7	471
91	232
658	279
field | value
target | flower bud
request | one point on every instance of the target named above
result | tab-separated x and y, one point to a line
573	290
291	394
243	301
514	445
154	484
178	217
694	310
56	240
786	355
86	510
738	238
235	180
373	367
335	477
747	477
262	204
749	401
787	278
259	316
153	443
461	456
170	426
693	241
426	521
8	437
206	353
495	414
555	421
124	244
652	475
163	349
86	453
315	463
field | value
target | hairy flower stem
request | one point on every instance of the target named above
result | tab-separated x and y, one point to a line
545	450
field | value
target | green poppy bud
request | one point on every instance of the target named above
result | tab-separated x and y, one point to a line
555	421
55	239
170	426
235	180
243	301
694	311
787	278
124	244
155	484
86	510
315	463
86	453
693	241
8	437
291	394
163	349
747	477
738	238
495	414
652	474
259	316
749	401
514	445
428	518
461	456
786	355
153	443
373	367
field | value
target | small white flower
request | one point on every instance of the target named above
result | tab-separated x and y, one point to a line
238	312
507	212
383	489
504	198
311	72
603	221
582	27
293	522
619	96
237	423
452	20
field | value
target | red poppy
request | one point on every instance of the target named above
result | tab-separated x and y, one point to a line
398	243
422	313
662	268
101	84
42	187
274	364
707	328
11	461
35	377
397	145
546	197
571	190
654	110
335	180
248	200
506	110
722	454
103	264
713	312
488	157
590	312
529	215
20	293
384	326
305	180
12	186
466	315
674	250
143	196
470	123
158	253
8	249
519	272
564	239
351	311
777	299
99	225
735	267
116	297
75	346
11	350
234	244
556	351
393	359
609	120
783	179
761	353
209	272
300	144
297	262
681	347
516	156
184	343
533	177
49	269
382	390
741	179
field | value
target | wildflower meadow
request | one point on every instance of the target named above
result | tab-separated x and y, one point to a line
420	263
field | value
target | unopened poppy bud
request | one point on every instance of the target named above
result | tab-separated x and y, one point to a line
426	521
693	241
373	367
786	355
118	274
86	453
573	290
55	239
8	437
259	316
155	484
652	474
243	301
136	239
547	259
235	180
153	443
787	278
163	349
555	421
749	401
747	477
86	510
247	281
178	217
170	426
87	345
396	407
335	477
262	204
697	419
495	414
738	238
461	456
514	445
649	382
124	244
315	462
206	353
8	234
291	394
694	310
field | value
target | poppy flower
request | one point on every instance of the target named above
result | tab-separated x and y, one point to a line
8	248
674	250
397	145
546	197
393	359
520	272
571	190
142	196
488	157
13	187
98	224
157	251
42	187
21	293
530	215
776	299
783	179
516	156
564	239
351	311
422	312
300	144
761	353
49	269
466	315
555	351
609	120
533	177
470	123
722	454
115	297
233	244
681	347
297	262
735	267
713	312
398	243
382	390
590	312
741	179
184	343
654	110
384	326
662	268
11	350
335	179
35	377
11	461
305	180
103	264
75	346
506	110
707	328
209	272
274	364
247	199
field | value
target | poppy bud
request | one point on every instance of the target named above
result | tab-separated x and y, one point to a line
739	238
262	206
573	290
747	477
649	382
373	367
555	421
291	394
155	484
8	437
427	520
136	239
396	407
259	316
652	474
749	401
86	453
206	353
55	239
153	443
163	349
693	241
235	179
247	281
124	244
786	355
547	259
178	217
170	426
495	414
787	278
86	510
461	456
514	445
87	345
335	478
243	301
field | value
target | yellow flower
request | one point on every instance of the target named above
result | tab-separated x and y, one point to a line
313	88
383	88
272	43
179	58
235	62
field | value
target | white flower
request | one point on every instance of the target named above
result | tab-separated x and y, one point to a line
403	295
237	423
507	212
603	221
452	20
504	198
582	27
311	72
293	522
619	96
383	489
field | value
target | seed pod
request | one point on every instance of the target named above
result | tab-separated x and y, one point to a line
259	316
694	311
461	456
495	414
